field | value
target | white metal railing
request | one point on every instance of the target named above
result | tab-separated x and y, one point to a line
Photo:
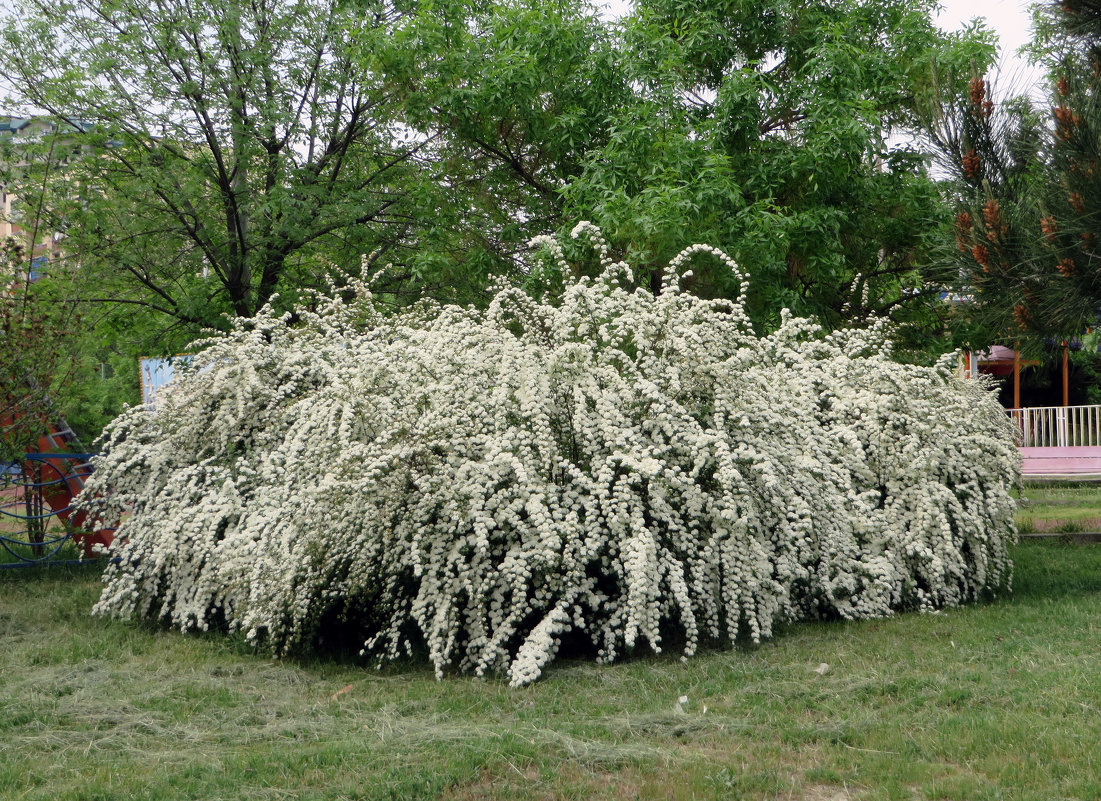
1058	426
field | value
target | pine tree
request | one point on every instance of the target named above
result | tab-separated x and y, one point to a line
1027	225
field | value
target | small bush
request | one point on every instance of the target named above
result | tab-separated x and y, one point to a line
619	465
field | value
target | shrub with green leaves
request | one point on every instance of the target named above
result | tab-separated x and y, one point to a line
620	465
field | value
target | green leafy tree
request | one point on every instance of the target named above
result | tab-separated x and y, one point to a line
515	97
777	130
230	155
194	178
219	152
34	369
774	129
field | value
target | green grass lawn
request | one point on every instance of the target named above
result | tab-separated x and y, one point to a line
1000	700
1059	507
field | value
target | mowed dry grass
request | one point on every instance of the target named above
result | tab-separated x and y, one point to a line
1000	700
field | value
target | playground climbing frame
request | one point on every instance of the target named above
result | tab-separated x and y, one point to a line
38	524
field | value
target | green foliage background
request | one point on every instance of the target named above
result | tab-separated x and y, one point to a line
214	157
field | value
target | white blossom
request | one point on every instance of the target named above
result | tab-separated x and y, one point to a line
619	464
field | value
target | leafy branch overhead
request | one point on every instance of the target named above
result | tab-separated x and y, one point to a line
221	143
250	144
212	157
34	365
779	131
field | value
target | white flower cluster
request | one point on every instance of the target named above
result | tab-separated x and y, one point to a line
622	466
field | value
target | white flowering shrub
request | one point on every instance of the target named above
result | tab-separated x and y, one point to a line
622	465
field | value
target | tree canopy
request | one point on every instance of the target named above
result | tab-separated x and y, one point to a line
777	130
219	155
34	367
1028	192
225	150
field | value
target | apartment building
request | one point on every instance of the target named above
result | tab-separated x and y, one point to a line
18	215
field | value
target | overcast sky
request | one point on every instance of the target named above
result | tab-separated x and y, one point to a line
1011	20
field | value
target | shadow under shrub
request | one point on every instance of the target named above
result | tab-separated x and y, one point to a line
479	483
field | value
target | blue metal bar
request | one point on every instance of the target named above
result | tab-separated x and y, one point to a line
69	562
53	483
50	541
47	455
60	543
35	517
40	484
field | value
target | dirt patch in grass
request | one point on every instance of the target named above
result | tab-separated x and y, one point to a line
1053	526
823	792
1059	508
569	780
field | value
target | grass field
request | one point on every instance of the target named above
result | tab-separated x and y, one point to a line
1059	507
1000	700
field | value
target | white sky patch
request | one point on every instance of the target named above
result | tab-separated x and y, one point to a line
1012	21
